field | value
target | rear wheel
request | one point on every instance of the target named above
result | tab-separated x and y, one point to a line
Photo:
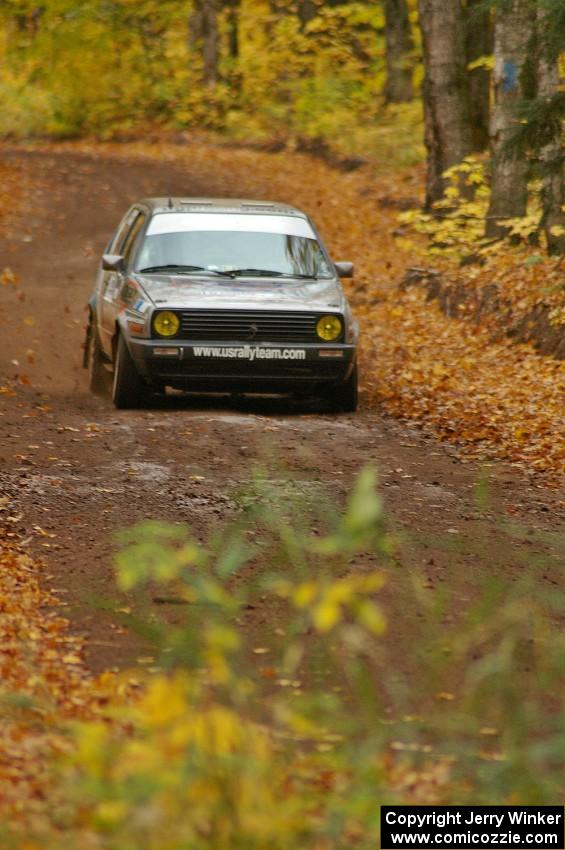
128	390
345	397
99	380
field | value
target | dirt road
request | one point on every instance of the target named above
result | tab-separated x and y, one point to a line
73	470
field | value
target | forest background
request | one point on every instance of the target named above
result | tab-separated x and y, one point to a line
323	75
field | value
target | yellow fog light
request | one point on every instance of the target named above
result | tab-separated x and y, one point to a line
329	328
166	323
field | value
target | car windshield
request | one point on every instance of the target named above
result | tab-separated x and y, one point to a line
246	245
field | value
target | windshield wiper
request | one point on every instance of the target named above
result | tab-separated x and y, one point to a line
270	273
181	269
233	273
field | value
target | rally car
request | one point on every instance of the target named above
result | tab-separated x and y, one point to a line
215	295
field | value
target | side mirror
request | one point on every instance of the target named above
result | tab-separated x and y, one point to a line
113	263
344	269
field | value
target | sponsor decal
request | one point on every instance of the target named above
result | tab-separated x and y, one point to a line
249	352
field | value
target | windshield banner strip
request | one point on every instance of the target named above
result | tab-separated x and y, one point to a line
206	222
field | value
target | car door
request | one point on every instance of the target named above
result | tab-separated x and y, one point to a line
111	281
127	292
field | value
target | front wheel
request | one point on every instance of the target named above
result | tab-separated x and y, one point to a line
128	390
345	397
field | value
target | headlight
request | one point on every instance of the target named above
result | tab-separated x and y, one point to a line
166	323
329	328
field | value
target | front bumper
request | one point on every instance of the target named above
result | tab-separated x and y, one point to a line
244	367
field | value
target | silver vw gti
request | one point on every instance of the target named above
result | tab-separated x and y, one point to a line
215	295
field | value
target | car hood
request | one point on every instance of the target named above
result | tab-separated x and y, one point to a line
180	291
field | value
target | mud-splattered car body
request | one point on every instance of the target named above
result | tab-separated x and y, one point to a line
213	295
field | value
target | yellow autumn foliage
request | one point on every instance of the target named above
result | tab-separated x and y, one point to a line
126	67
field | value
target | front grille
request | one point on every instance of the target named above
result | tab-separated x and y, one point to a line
251	326
259	376
252	372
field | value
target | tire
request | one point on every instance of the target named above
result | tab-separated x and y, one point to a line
98	376
128	389
345	397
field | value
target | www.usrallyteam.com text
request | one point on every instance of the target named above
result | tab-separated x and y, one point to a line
248	352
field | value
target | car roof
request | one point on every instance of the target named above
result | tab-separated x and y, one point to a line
236	206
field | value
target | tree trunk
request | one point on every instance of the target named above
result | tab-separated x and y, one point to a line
307	11
479	42
203	37
446	109
28	22
513	34
210	41
233	29
195	27
399	46
551	155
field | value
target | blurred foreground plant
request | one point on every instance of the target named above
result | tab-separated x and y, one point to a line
229	748
293	741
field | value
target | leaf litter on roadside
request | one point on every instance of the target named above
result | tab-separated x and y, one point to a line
44	685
